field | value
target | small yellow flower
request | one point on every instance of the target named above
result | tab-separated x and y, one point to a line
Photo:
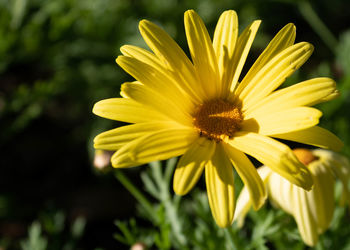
312	210
200	110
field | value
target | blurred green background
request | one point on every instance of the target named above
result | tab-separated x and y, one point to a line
57	58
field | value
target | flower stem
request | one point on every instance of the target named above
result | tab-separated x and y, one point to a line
316	23
137	194
230	239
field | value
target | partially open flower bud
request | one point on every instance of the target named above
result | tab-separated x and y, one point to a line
102	159
312	210
139	246
304	155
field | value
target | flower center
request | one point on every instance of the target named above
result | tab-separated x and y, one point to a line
304	155
217	119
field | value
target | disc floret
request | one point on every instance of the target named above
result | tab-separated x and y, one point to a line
217	119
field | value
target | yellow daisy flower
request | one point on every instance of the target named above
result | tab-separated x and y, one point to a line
200	110
312	210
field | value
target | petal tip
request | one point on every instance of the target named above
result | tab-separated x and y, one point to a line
291	26
259	203
144	25
179	190
123	49
308	47
190	15
143	22
119	60
231	12
96	109
257	22
223	222
114	165
189	12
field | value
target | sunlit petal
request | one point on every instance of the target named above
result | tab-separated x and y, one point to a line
285	121
202	53
159	145
116	138
275	155
273	74
126	110
315	136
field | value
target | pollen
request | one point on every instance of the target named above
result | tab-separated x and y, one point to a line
304	155
217	119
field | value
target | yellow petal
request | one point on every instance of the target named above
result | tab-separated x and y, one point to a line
142	55
156	79
273	74
126	110
284	38
306	224
242	48
315	136
172	57
285	121
340	167
321	197
191	165
224	42
275	155
149	70
244	201
159	145
118	137
157	101
202	52
305	93
280	192
220	187
249	175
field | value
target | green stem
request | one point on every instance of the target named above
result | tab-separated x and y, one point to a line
137	194
316	23
175	223
231	241
163	183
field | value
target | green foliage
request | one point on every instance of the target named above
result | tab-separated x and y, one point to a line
52	50
35	241
187	223
164	214
48	234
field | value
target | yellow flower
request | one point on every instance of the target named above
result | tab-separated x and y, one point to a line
312	210
200	110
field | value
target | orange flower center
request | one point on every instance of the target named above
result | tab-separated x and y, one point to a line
217	119
304	155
